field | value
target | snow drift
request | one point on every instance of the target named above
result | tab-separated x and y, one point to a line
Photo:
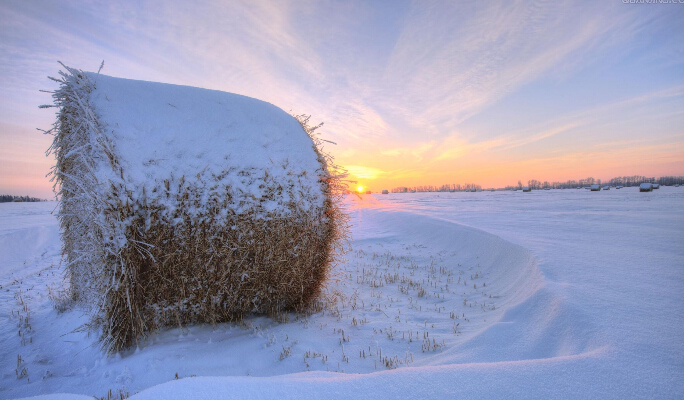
181	205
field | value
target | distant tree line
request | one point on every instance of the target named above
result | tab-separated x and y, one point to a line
8	198
634	180
534	184
454	187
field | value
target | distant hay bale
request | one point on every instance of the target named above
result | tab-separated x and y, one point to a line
646	187
181	205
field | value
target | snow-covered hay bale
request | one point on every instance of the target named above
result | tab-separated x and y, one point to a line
646	187
183	205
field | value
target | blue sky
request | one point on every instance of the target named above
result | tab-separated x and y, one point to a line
413	93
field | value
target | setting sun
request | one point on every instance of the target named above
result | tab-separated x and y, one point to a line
360	189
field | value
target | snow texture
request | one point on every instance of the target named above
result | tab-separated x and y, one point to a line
586	293
160	131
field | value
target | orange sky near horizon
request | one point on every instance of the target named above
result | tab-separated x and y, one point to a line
25	174
378	172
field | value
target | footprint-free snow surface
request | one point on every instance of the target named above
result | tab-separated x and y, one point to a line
549	294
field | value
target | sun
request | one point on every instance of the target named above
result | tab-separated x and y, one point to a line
360	189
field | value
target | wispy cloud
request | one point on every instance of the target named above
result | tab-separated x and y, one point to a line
453	60
417	152
637	108
360	172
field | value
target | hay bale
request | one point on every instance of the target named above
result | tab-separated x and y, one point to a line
181	205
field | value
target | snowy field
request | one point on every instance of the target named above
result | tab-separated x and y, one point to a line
549	294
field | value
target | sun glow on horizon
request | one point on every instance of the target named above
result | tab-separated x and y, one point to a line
360	189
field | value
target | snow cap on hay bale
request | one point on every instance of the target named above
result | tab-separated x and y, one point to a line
183	205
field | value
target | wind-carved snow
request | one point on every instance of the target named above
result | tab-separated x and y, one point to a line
582	313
